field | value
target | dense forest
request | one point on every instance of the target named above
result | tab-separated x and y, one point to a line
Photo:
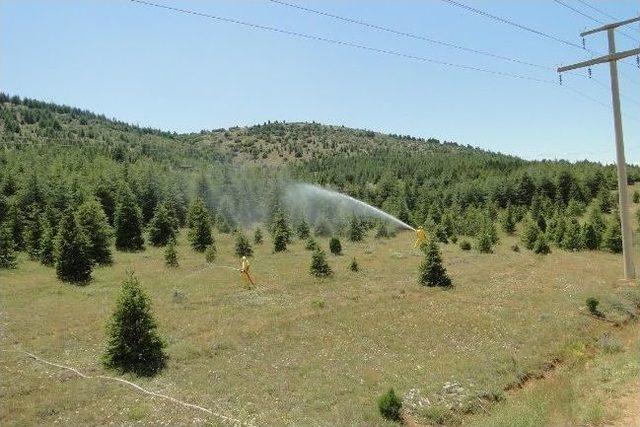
71	177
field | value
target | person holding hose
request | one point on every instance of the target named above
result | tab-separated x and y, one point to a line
244	272
421	237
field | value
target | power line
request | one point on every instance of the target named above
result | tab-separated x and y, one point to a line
598	10
579	12
342	43
409	35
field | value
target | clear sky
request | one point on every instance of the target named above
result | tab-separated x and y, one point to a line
182	72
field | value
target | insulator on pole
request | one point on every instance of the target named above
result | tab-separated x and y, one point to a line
560	76
589	71
584	44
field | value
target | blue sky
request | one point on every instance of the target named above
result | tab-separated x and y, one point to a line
185	73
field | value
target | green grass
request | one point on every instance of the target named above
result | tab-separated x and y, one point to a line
306	351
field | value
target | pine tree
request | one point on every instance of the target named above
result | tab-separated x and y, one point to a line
210	253
431	270
596	219
47	252
319	266
72	258
589	237
311	244
356	232
541	246
134	344
199	226
382	231
7	249
162	227
95	226
303	230
335	246
128	221
484	243
32	231
603	200
354	266
529	233
279	242
507	220
612	238
322	229
257	236
572	237
243	247
171	255
280	225
636	196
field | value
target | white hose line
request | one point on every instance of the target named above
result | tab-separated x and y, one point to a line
136	386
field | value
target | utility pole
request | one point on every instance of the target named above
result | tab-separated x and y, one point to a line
612	59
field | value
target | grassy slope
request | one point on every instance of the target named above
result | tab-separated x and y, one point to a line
275	355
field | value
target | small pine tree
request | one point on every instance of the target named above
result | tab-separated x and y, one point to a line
303	230
134	344
589	237
128	221
507	220
199	226
431	270
335	246
382	231
390	405
47	244
280	225
243	247
257	236
529	234
541	246
592	305
311	244
210	253
162	227
322	229
72	258
465	245
7	249
612	238
319	266
171	255
356	231
484	243
354	266
636	196
95	225
572	240
32	232
279	242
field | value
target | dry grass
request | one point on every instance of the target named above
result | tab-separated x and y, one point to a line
299	350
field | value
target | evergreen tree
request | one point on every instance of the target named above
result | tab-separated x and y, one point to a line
243	247
589	237
72	258
95	226
484	243
128	221
311	244
199	226
572	237
541	246
47	243
319	266
303	230
612	238
322	229
257	237
431	270
596	219
529	233
32	232
280	225
134	344
279	242
210	253
382	231
354	266
7	250
335	246
162	227
171	255
356	231
636	196
507	220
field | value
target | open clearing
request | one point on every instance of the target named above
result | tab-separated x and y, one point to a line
299	350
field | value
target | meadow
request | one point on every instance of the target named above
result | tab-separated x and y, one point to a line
510	344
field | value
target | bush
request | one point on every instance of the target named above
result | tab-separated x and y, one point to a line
134	344
210	253
243	247
319	266
431	270
389	405
484	243
465	245
354	266
515	248
592	305
636	196
335	246
382	231
171	255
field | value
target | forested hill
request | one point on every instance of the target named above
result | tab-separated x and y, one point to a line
54	158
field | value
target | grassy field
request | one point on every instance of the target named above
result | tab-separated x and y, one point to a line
305	351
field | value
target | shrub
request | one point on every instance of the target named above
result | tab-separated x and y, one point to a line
484	243
389	405
134	344
319	266
322	229
171	255
335	246
210	253
515	248
243	247
636	196
465	245
382	231
73	263
311	245
431	270
592	305
257	236
354	266
280	242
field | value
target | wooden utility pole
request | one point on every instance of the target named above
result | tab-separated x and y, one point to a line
612	59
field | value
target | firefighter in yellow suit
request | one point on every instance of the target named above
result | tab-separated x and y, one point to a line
421	237
244	272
